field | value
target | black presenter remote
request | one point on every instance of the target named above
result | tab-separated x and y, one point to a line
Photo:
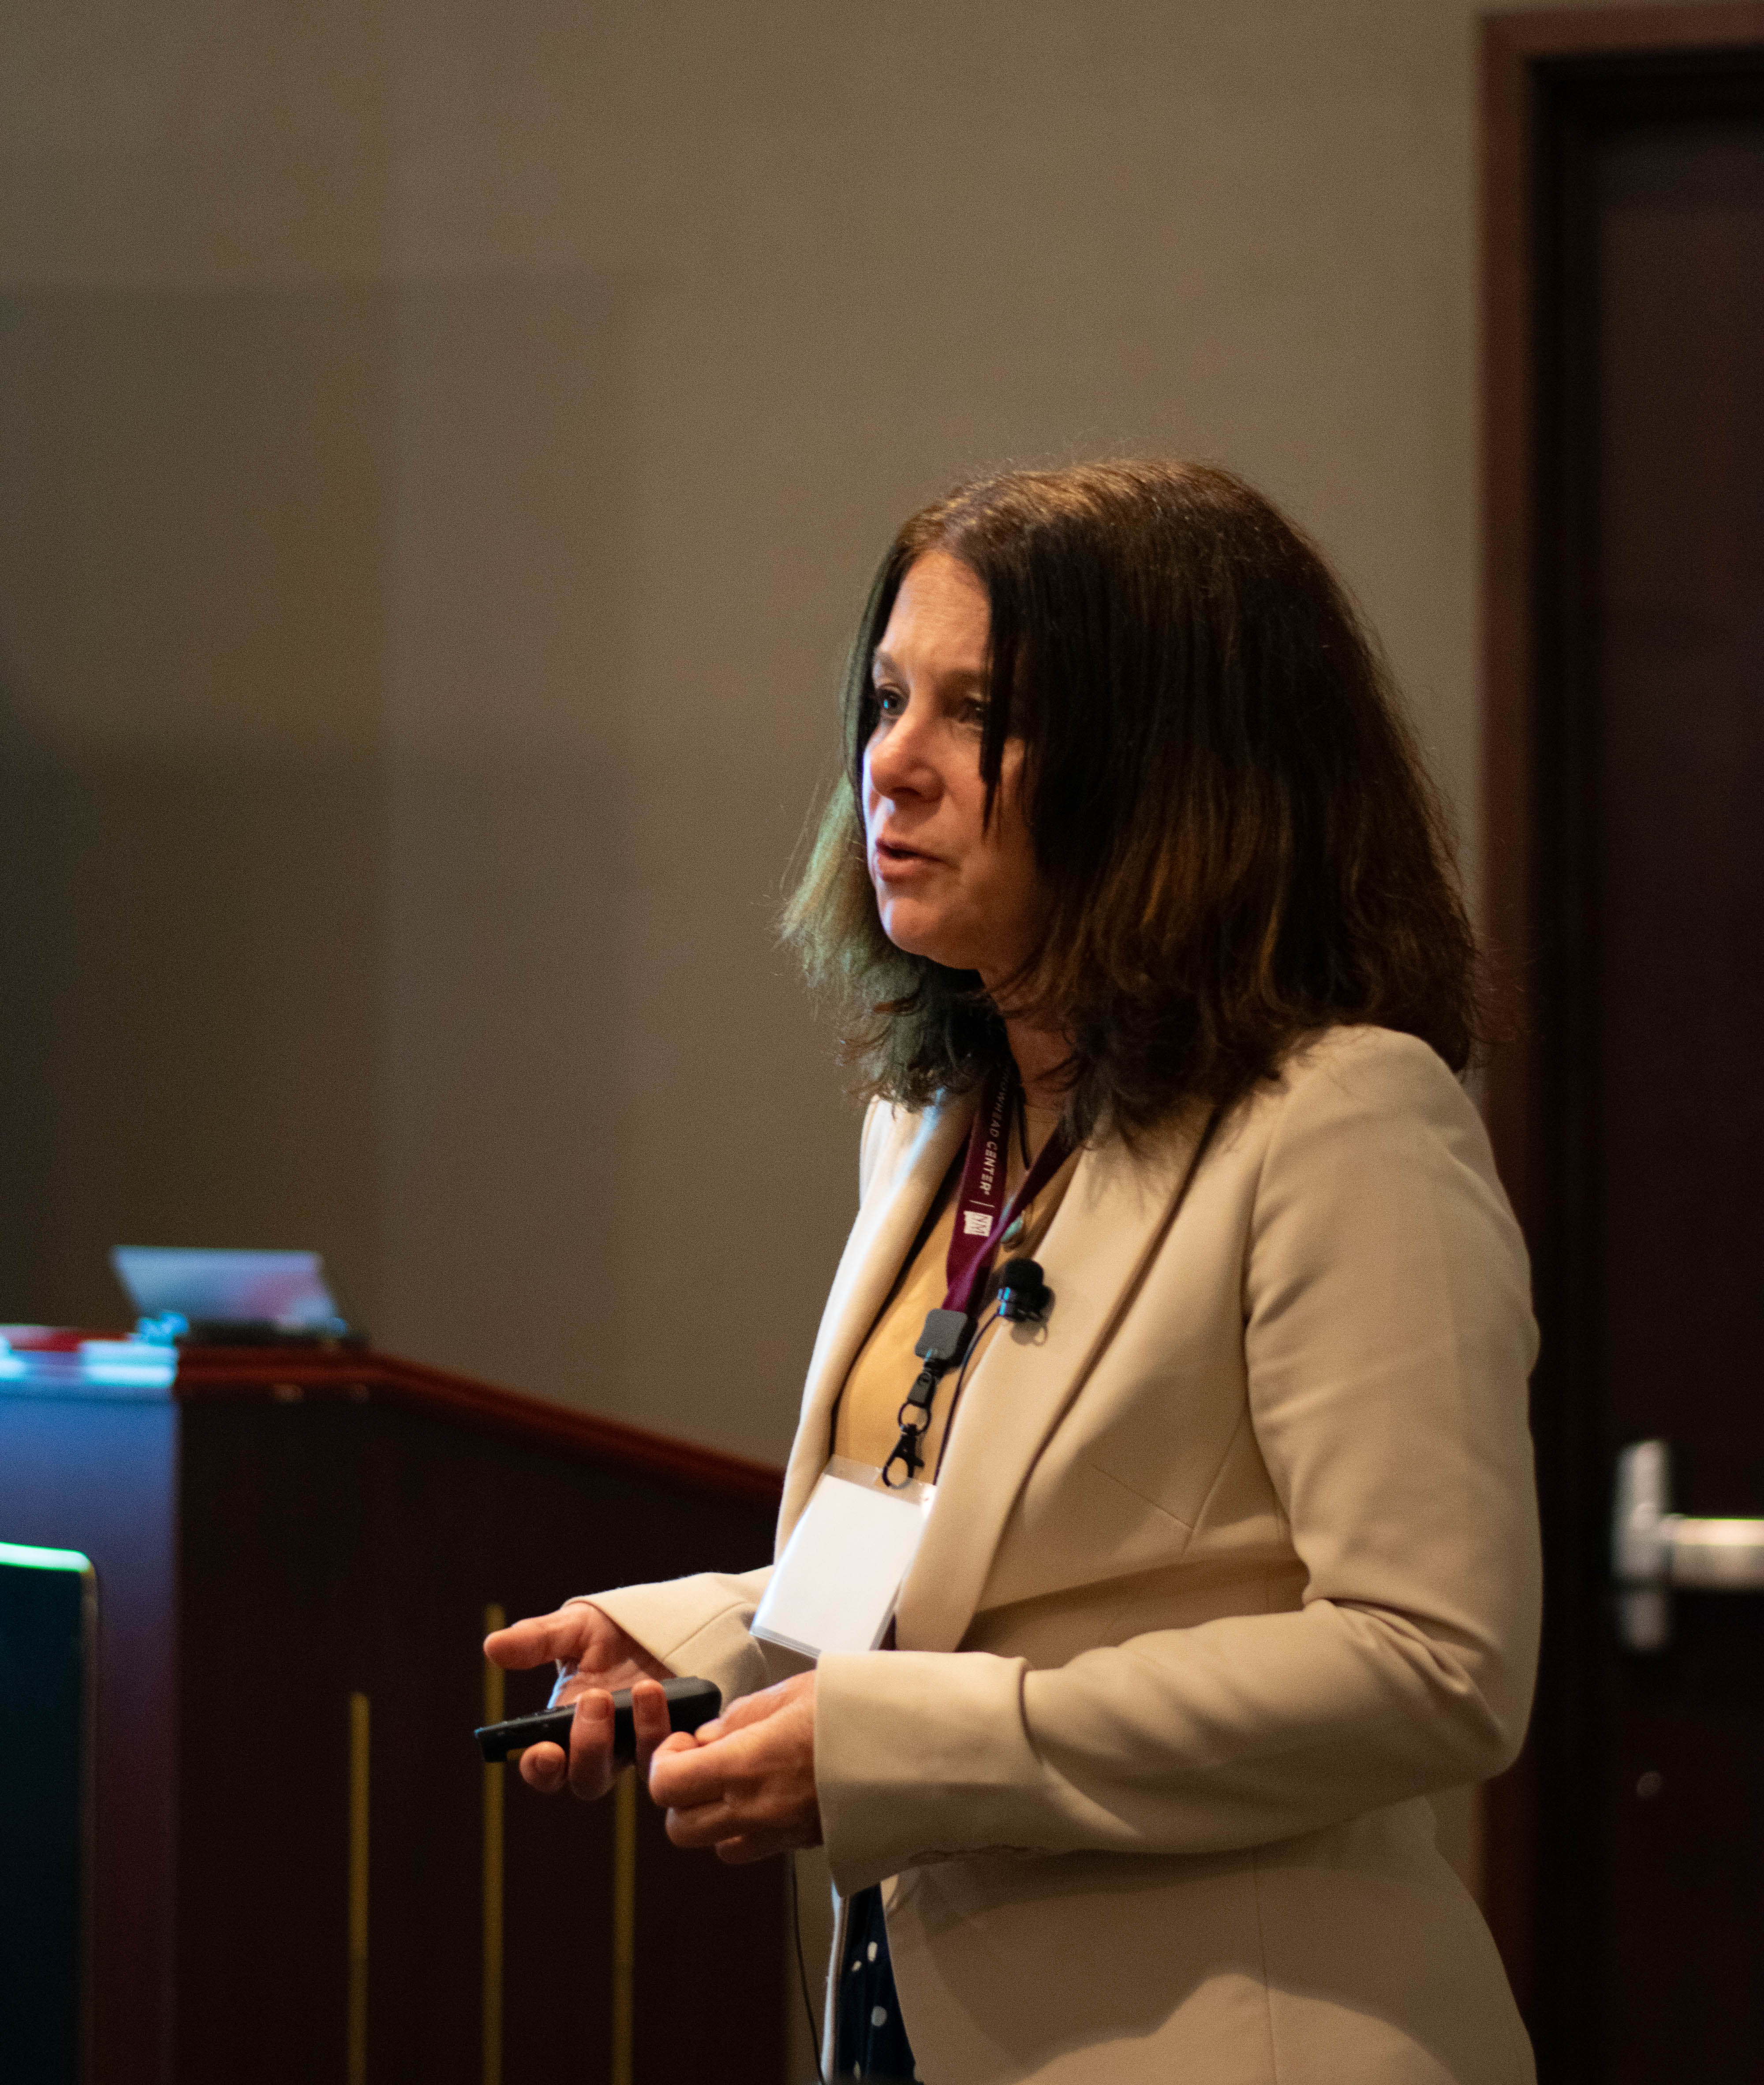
690	1702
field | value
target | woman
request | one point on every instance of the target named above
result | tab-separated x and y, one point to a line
1233	1555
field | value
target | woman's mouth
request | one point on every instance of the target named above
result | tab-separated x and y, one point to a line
895	862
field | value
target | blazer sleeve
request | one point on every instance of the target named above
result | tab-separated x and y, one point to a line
1387	1343
696	1626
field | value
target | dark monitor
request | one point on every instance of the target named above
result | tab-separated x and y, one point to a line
48	1616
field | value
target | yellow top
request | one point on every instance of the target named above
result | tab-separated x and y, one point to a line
868	1423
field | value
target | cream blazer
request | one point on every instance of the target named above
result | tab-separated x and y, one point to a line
1231	1563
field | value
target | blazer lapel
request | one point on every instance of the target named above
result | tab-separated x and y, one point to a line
1115	1216
881	1238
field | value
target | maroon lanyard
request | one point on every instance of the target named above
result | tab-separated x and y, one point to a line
981	1194
980	1219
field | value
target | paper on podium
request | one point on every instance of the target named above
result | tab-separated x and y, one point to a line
836	1586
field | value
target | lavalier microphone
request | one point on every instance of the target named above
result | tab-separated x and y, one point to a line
1023	1295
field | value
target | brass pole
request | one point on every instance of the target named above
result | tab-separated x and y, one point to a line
624	1922
494	1619
358	1739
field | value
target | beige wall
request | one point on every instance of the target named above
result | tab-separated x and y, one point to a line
441	448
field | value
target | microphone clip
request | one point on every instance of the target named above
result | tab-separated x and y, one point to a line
1024	1296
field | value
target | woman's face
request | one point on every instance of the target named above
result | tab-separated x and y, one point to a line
947	886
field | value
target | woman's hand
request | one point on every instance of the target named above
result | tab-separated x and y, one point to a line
594	1656
745	1784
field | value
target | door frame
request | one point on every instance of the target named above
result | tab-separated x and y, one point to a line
1530	62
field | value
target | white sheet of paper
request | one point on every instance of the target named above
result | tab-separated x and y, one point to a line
836	1586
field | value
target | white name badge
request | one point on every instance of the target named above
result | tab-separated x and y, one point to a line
836	1586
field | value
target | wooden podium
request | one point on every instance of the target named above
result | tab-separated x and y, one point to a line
299	1871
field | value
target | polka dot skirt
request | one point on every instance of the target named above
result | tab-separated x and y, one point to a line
871	2039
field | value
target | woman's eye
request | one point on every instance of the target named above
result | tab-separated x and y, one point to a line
890	701
972	714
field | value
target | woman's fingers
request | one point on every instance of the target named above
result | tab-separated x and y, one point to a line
588	1769
750	1846
748	1825
746	1784
564	1636
737	1836
748	1793
708	1824
688	1770
523	1644
591	1769
751	1709
649	1719
593	1655
545	1768
578	1637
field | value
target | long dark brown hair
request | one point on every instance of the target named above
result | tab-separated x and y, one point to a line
1238	841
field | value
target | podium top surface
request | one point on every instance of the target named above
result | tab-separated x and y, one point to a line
103	1366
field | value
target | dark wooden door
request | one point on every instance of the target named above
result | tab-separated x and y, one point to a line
1672	1235
1637	1126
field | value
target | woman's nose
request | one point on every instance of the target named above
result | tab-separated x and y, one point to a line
899	757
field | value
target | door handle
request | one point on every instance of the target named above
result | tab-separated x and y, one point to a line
1655	1550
